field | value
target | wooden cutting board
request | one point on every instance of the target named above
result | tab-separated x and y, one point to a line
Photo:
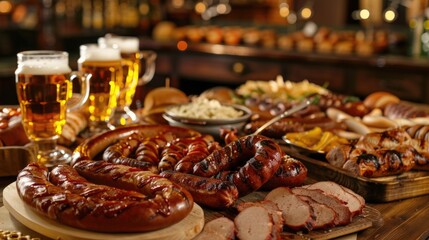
188	228
368	218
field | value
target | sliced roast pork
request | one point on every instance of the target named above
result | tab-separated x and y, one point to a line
297	213
254	223
344	216
324	216
273	209
359	197
334	189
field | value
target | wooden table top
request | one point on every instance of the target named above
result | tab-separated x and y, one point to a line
404	219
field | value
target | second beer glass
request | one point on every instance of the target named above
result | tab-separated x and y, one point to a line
132	62
105	67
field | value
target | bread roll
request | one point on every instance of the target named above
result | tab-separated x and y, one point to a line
380	99
221	94
76	122
159	98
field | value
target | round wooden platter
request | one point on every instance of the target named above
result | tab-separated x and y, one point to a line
188	228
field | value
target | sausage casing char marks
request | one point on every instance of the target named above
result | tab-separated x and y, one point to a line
383	162
76	202
252	160
134	179
196	152
209	192
120	152
149	149
91	147
381	154
291	173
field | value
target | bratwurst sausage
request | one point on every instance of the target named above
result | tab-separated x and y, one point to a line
250	161
151	202
291	173
91	147
119	153
209	192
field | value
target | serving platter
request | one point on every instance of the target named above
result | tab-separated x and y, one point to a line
370	217
305	151
380	189
188	228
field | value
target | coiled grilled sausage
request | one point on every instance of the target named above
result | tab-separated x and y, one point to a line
119	153
195	152
151	202
90	148
149	149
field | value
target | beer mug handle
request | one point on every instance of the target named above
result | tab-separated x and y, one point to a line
78	99
149	57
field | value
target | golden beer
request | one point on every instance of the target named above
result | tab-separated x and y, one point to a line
44	85
133	76
104	88
131	67
129	48
43	101
104	68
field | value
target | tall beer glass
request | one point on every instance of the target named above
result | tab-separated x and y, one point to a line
105	67
132	61
44	87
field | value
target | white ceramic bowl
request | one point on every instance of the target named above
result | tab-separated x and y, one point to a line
209	126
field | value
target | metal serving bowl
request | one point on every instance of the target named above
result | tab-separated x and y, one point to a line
209	126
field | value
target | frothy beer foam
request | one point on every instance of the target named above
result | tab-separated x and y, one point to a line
43	67
95	53
125	44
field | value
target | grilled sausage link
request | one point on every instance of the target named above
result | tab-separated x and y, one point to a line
252	160
92	147
209	192
291	173
151	202
119	153
172	153
149	149
228	135
196	152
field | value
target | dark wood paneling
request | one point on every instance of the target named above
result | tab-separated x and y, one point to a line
406	85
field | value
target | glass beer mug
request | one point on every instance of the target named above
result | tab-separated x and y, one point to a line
133	75
44	84
104	65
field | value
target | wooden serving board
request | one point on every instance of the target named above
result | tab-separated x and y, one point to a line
369	217
380	189
188	228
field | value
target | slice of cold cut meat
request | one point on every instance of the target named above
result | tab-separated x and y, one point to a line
273	209
297	213
334	189
344	215
254	223
324	216
359	197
